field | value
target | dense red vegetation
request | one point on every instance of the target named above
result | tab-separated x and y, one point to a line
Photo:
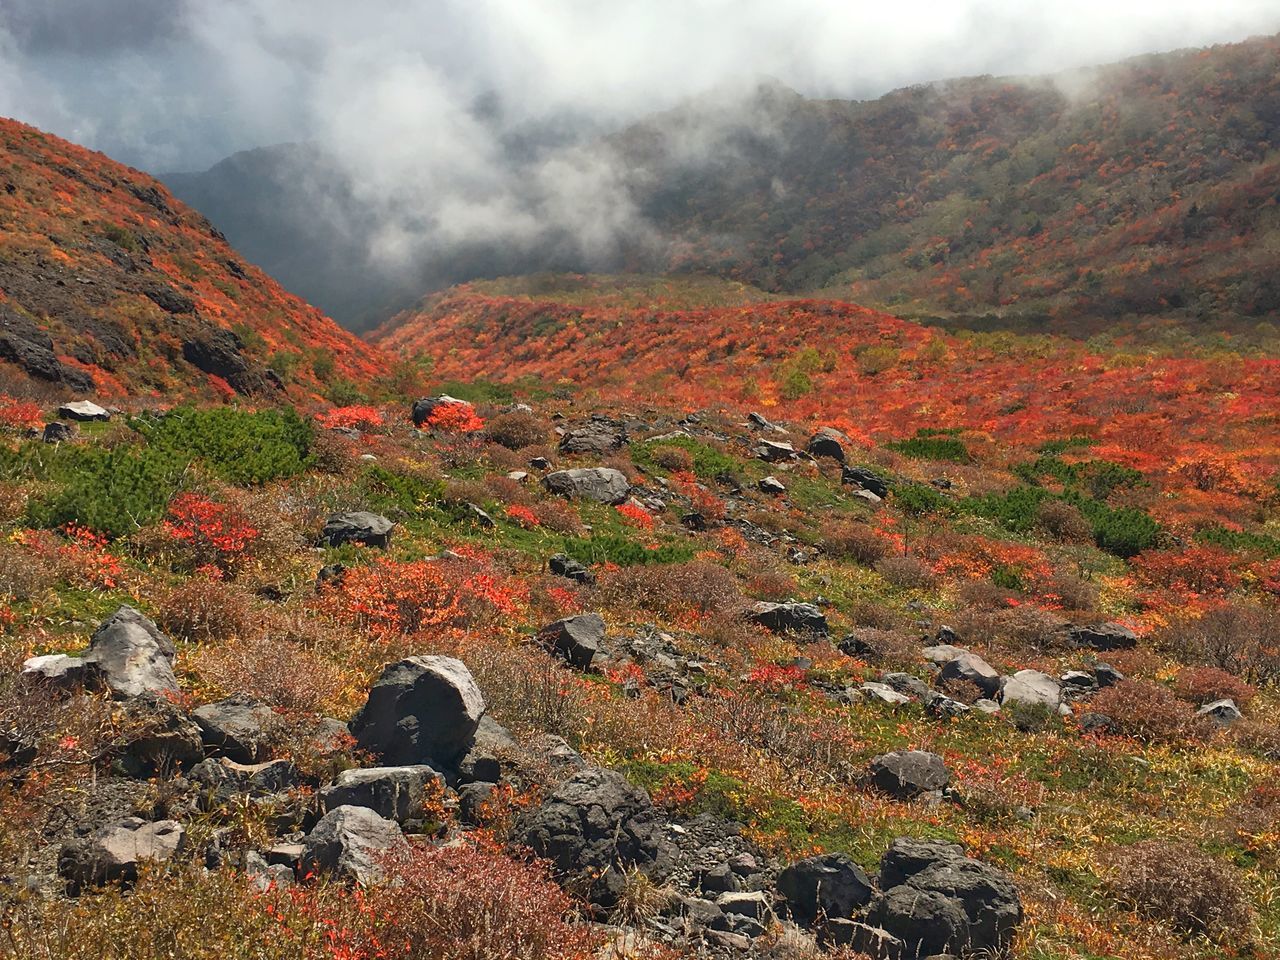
118	274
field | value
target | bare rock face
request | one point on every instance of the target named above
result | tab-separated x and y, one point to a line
420	710
601	484
240	727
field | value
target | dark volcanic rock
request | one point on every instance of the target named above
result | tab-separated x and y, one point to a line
602	484
421	710
909	773
789	617
577	639
360	526
829	886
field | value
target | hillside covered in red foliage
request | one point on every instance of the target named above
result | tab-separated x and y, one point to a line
109	285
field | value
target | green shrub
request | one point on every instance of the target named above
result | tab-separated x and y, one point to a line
625	552
932	445
918	500
241	448
114	492
1016	511
708	462
1241	541
1125	532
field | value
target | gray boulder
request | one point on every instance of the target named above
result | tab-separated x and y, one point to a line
115	852
394	793
129	656
359	526
576	639
942	653
601	484
907	774
827	442
907	856
1103	636
772	485
1031	688
789	618
564	566
597	435
925	922
971	667
58	432
1223	712
225	779
594	829
775	451
825	887
84	410
240	727
866	479
420	710
350	842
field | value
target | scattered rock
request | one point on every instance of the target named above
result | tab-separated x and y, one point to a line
598	435
1031	688
601	484
350	842
115	851
827	442
84	411
595	828
1223	712
907	774
129	656
789	617
971	667
866	479
884	693
228	779
570	569
825	887
240	727
1105	636
420	710
359	526
395	793
576	639
775	451
942	653
58	432
772	485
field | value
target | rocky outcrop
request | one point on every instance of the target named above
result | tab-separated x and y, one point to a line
601	484
350	843
358	526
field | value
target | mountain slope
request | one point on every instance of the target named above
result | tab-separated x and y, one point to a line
108	284
1143	189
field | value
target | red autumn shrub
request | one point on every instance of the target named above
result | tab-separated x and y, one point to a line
20	414
634	515
1146	711
472	902
218	533
1196	571
356	417
857	542
1203	685
454	418
1179	883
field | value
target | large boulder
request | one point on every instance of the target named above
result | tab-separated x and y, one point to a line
395	793
826	887
594	829
240	727
565	566
789	617
601	484
1103	636
775	451
598	435
828	442
937	900
159	738
907	774
420	710
129	656
971	667
577	639
115	851
865	479
225	779
359	526
351	842
1033	689
84	411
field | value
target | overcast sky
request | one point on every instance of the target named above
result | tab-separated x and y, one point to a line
178	84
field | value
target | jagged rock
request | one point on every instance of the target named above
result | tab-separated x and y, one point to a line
906	683
829	886
240	727
971	667
758	421
170	300
84	411
772	485
1031	688
349	842
570	569
539	463
576	639
755	904
472	798
1096	723
907	856
789	617
1106	675
218	352
598	435
129	656
1104	636
864	939
58	432
57	669
945	707
827	442
1223	712
594	828
493	746
422	409
907	774
359	526
420	710
114	852
866	479
775	451
924	921
601	484
31	348
986	897
395	793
